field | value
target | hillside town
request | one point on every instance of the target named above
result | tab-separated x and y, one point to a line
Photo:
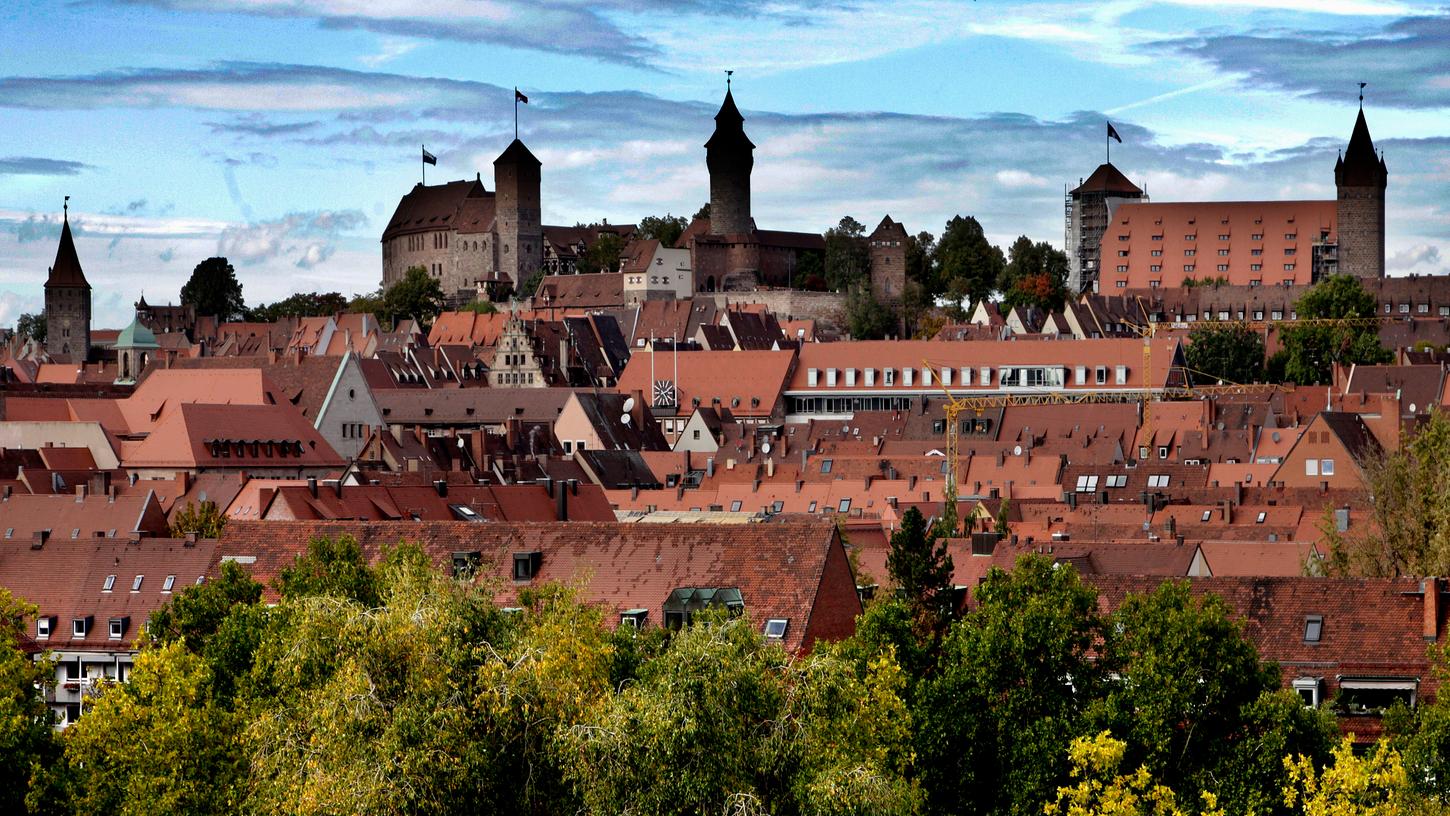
705	418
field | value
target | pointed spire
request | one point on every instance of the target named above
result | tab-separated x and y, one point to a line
66	271
1361	165
729	126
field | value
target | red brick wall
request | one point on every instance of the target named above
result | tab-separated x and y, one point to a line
837	605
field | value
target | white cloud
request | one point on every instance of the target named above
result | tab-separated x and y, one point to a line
1413	256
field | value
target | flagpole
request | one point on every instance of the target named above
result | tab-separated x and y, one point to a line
423	163
1108	146
516	113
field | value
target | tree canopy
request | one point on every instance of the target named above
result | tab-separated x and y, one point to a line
302	304
603	254
847	257
418	295
32	326
1312	349
967	266
1228	352
213	289
1035	275
663	228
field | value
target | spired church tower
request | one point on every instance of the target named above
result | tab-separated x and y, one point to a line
67	302
730	156
517	217
1360	176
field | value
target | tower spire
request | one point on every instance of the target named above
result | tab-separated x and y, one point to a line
1361	94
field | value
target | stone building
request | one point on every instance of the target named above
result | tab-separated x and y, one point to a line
516	363
468	238
887	245
1360	177
67	303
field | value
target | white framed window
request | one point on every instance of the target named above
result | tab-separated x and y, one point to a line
844	506
1309	690
1080	374
966	375
986	375
1087	484
1373	696
1100	375
79	627
1326	467
1120	374
1311	467
118	628
136	583
109	584
1158	480
775	628
168	583
42	628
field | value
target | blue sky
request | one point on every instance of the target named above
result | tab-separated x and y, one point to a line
282	132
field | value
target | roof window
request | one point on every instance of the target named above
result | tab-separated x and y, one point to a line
118	627
109	584
825	465
1261	517
1313	628
775	628
684	602
633	618
526	565
80	626
136	583
465	563
844	506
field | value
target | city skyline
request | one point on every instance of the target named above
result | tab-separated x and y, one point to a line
283	139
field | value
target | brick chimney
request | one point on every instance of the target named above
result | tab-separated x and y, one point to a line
1431	625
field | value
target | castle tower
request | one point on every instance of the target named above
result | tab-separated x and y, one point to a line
1360	176
517	217
730	157
135	347
67	302
887	246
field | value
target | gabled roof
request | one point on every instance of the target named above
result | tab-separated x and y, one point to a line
1108	179
432	207
183	439
66	271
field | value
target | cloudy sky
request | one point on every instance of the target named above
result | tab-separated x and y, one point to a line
281	133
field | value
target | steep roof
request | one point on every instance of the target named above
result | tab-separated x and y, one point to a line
729	127
66	271
1360	165
432	207
1108	179
516	153
136	336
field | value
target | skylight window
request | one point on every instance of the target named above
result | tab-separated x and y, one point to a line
1207	514
825	465
775	628
168	583
844	506
1313	628
1261	518
109	584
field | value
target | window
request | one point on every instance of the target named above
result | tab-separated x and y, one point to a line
1258	236
1162	451
168	583
1188	267
633	618
1223	253
1404	309
775	628
526	565
1311	467
777	507
1207	514
735	506
1192	236
1288	267
79	627
811	508
136	584
1080	374
1223	236
42	628
1308	689
1156	268
118	627
1122	284
1100	375
1291	236
1371	697
1157	253
1313	628
1119	480
1289	250
1256	252
109	583
1326	467
1120	374
1189	253
1087	484
844	506
568	446
1223	267
1158	480
825	465
1261	517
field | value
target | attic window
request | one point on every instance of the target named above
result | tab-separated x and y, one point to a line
42	628
168	583
118	627
1118	480
79	626
1160	480
109	583
1313	628
844	506
735	506
825	465
136	583
75	532
1087	484
811	508
633	618
1207	514
1261	517
466	563
777	507
775	628
526	565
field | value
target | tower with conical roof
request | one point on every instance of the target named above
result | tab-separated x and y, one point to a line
518	219
1089	209
730	156
67	302
1360	176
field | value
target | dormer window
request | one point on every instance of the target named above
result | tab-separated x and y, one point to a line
43	626
118	627
526	565
80	626
634	618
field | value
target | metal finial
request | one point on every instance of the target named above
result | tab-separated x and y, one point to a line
66	208
728	74
1361	93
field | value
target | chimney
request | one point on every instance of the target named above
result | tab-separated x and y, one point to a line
337	487
312	486
561	503
1226	511
190	540
37	541
770	467
1431	588
441	485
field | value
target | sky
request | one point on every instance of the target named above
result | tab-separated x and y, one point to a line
281	133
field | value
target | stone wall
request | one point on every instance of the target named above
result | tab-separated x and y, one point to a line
789	304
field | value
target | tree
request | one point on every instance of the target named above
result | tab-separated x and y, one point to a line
921	568
1100	790
1374	784
213	289
369	302
206	520
703	212
27	739
222	621
967	266
809	272
531	284
603	254
919	251
663	228
1228	352
302	304
848	259
32	326
1011	689
1312	349
416	295
1035	275
866	317
485	307
332	566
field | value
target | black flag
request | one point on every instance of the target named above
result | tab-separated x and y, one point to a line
429	158
1113	134
518	97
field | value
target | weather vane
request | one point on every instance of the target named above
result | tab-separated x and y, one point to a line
1361	93
66	205
727	79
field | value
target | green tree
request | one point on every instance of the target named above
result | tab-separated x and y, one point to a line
1312	349
334	567
213	289
27	740
663	228
369	302
1035	275
32	326
847	257
920	248
866	317
967	266
603	254
302	304
204	519
416	295
530	286
1228	352
921	568
809	272
1196	705
703	212
222	621
1011	689
481	307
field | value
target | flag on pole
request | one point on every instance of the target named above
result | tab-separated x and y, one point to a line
429	158
519	97
1113	133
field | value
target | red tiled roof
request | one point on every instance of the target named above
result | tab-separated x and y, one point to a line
755	379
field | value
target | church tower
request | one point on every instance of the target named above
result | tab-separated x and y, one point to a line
730	157
518	220
67	302
1360	177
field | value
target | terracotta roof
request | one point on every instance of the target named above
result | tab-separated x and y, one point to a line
471	406
301	382
184	439
749	383
796	571
598	290
67	516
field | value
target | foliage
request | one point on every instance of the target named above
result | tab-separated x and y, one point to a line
32	326
921	569
484	307
1312	349
1191	282
530	286
416	295
1000	524
1099	790
703	212
26	739
213	289
1230	352
333	567
663	228
866	317
1035	275
848	260
809	272
302	304
368	302
1369	785
603	254
222	621
1011	688
920	248
967	265
205	519
1409	526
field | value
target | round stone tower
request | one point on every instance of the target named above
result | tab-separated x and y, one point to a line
1360	177
730	157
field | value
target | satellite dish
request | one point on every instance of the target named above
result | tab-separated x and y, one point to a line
624	419
1412	407
1274	436
1017	450
460	442
628	404
765	448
